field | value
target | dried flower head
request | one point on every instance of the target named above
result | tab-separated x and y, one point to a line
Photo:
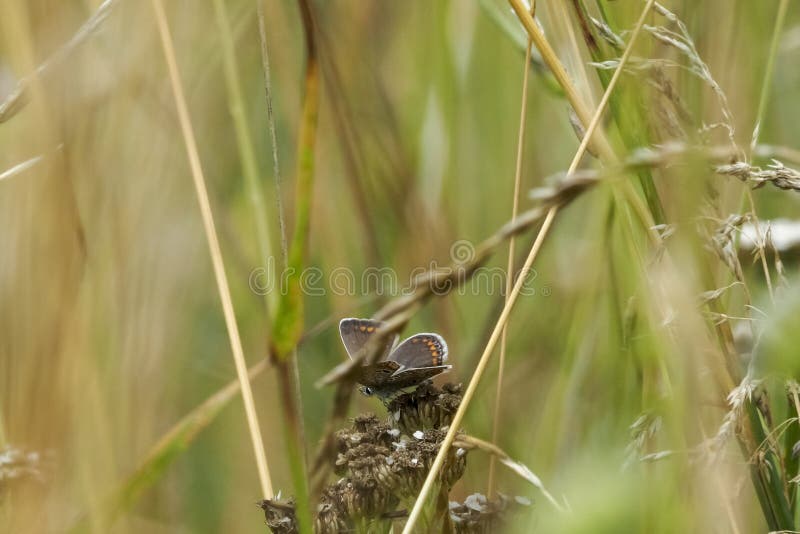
280	515
424	408
479	515
382	464
398	463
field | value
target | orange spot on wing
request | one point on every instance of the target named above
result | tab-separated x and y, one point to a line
363	328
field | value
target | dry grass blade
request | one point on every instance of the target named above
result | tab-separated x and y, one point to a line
468	394
469	442
214	249
18	97
21	167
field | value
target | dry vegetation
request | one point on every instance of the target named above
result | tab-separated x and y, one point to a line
192	194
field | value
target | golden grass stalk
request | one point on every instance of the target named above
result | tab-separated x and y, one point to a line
501	365
214	249
512	298
600	143
484	360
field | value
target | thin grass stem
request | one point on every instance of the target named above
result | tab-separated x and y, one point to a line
473	384
501	365
276	168
214	248
244	141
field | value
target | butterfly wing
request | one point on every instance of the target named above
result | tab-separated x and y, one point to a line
403	378
377	374
356	333
421	350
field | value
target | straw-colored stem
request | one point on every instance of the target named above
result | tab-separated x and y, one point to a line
473	383
3	438
214	248
512	298
501	365
600	142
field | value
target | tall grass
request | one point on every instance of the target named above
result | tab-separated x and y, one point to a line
650	369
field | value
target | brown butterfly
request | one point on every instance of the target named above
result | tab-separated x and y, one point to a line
418	358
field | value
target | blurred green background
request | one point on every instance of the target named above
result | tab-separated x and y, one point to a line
110	323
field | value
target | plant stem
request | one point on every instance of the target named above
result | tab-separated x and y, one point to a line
214	248
501	365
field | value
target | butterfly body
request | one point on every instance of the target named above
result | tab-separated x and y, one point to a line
415	360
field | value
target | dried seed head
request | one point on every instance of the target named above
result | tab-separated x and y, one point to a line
411	463
427	407
478	514
280	515
381	463
350	501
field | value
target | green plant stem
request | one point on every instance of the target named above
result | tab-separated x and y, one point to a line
295	445
244	141
768	478
288	323
766	84
288	373
276	168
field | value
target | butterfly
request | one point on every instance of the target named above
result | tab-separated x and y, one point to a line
415	360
